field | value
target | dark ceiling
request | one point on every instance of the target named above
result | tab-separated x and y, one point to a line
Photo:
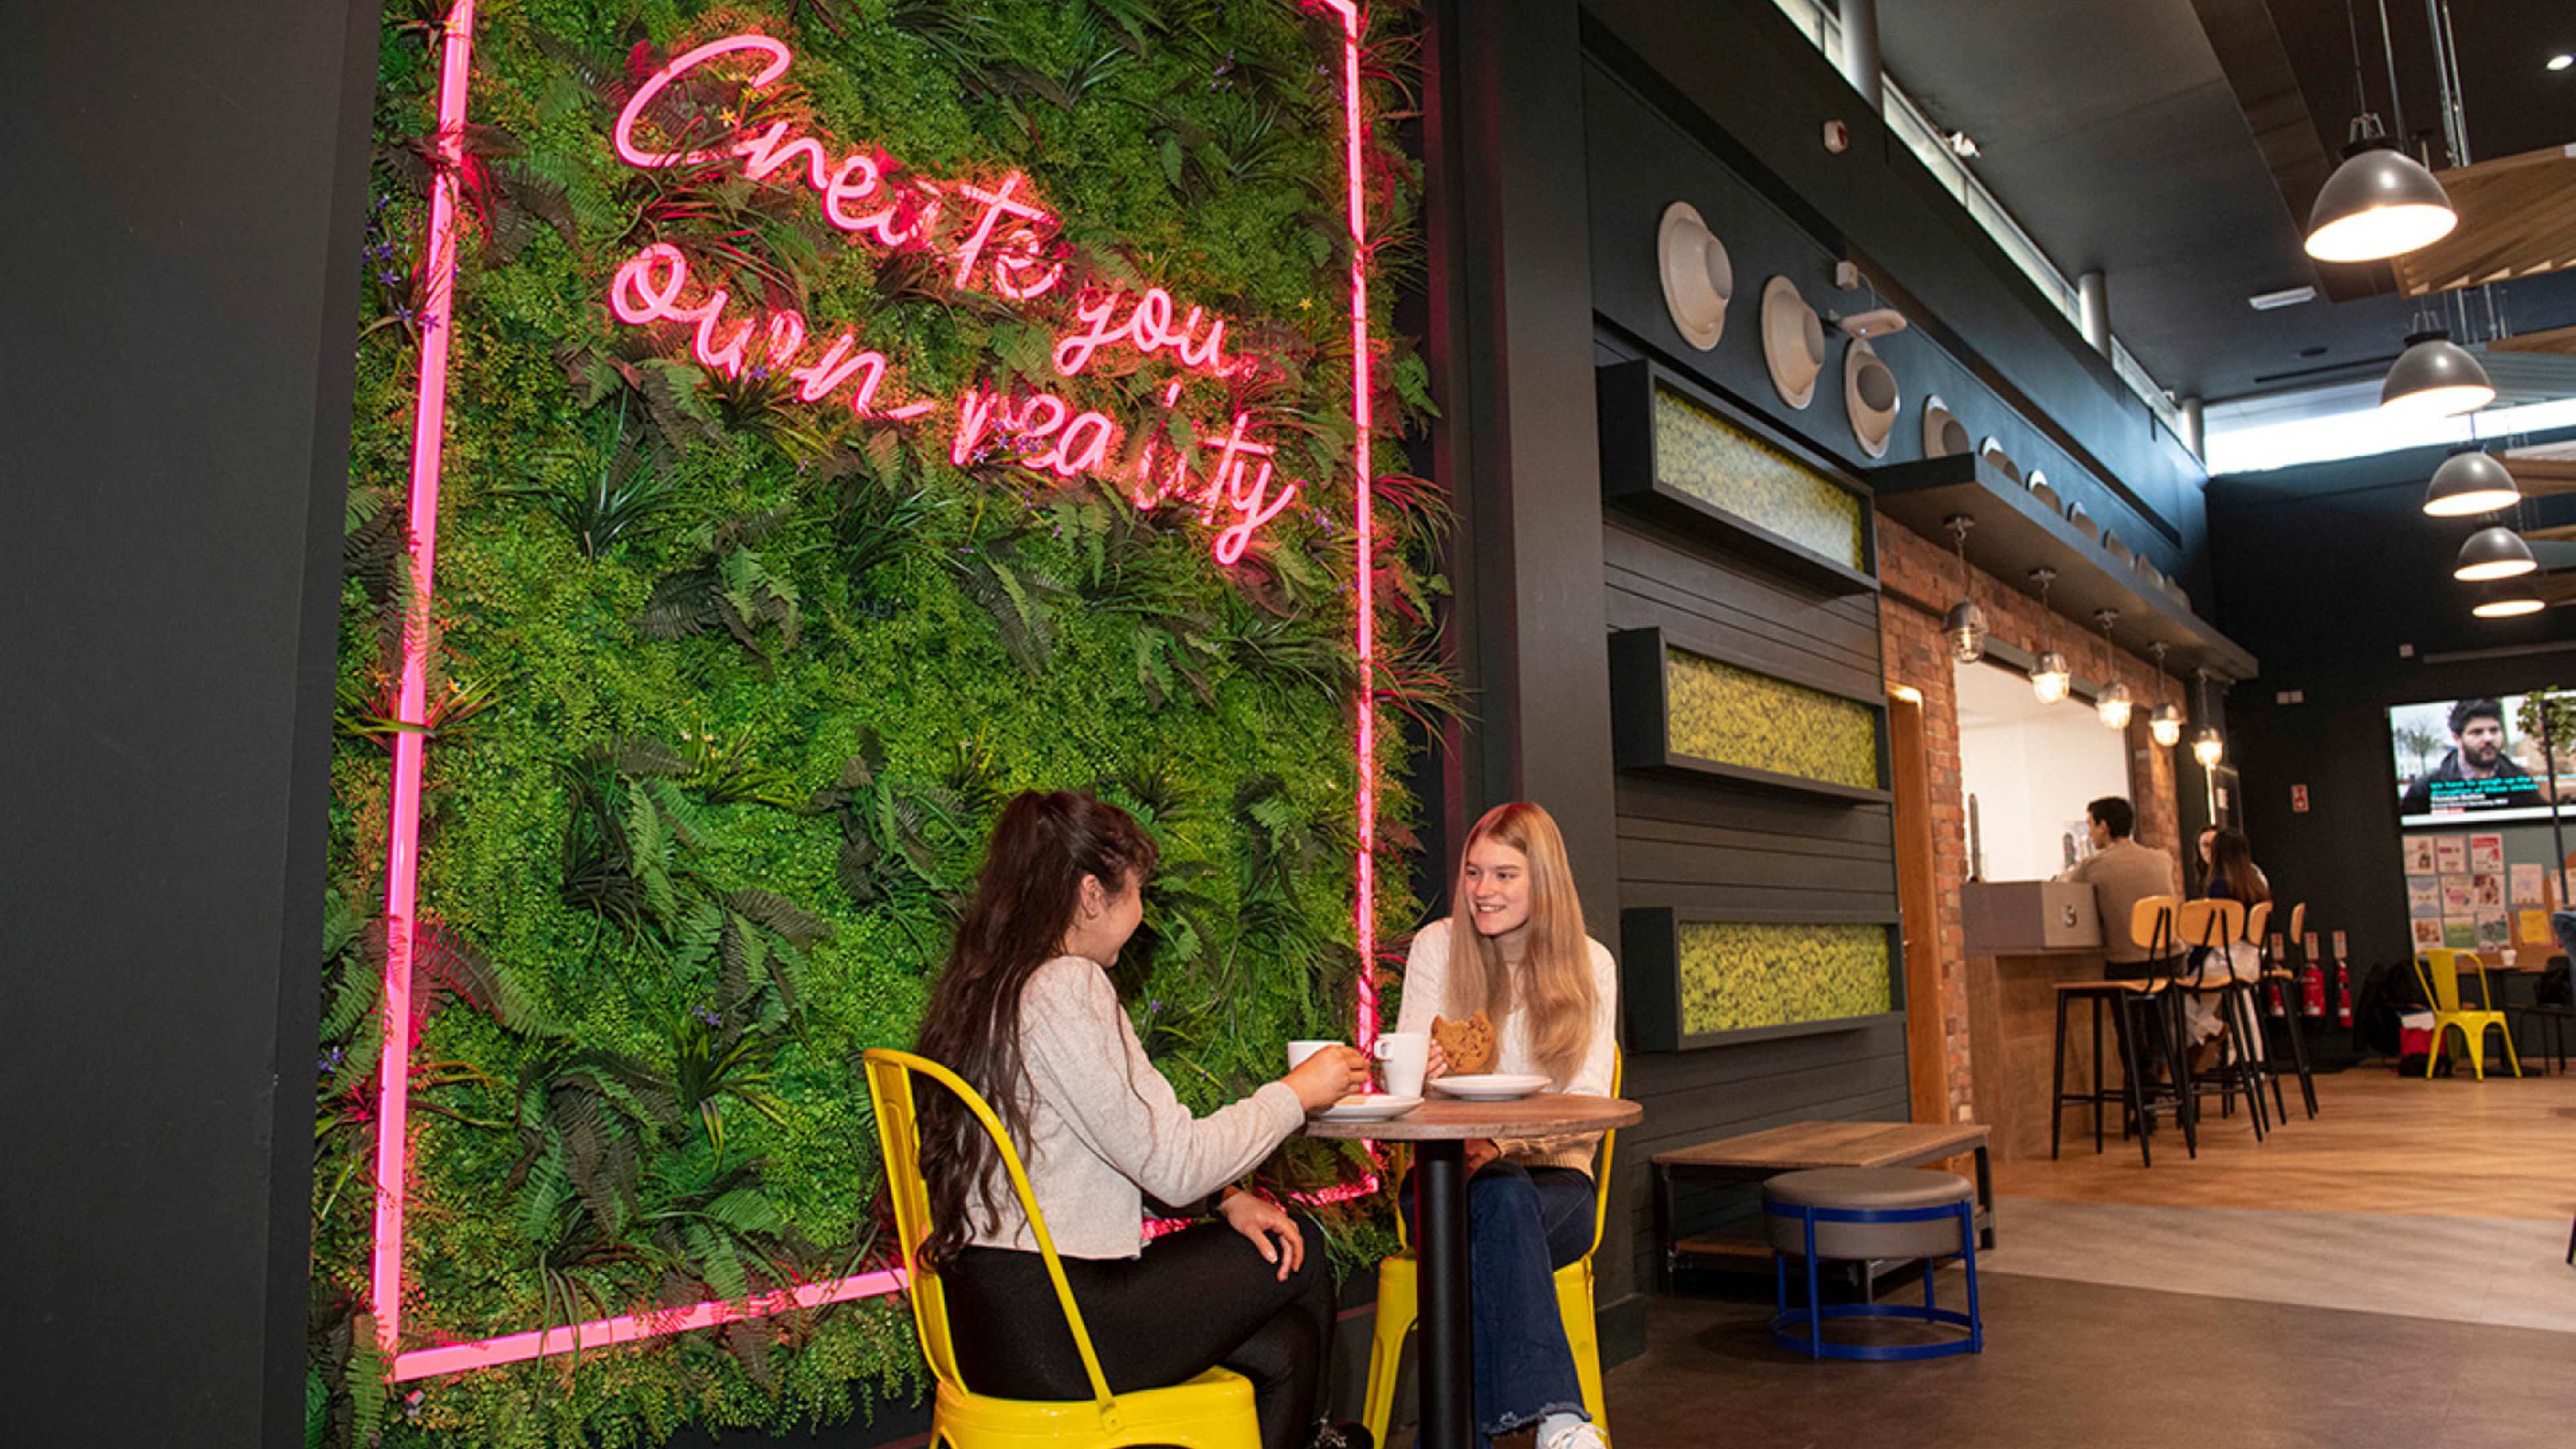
2175	145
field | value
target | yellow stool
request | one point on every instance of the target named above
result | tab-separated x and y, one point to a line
1397	1296
1212	1411
2438	972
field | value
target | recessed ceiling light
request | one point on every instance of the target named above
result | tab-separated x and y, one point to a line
2286	297
2561	62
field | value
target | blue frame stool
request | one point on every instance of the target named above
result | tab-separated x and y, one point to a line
1812	1317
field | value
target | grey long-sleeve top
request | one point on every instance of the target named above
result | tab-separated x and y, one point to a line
1104	1127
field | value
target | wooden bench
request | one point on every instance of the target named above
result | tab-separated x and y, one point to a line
1795	1148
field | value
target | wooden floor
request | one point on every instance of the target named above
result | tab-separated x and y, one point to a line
2501	1148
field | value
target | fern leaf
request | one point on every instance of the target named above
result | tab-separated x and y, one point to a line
777	913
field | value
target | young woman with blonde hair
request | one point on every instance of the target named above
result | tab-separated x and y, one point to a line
1514	948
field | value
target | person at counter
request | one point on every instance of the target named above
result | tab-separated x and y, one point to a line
2122	873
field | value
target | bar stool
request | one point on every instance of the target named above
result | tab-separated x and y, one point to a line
2212	925
2286	981
2151	924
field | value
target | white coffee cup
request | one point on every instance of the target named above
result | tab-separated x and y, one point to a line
1402	1058
1298	1051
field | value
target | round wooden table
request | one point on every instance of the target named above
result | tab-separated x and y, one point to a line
1440	1129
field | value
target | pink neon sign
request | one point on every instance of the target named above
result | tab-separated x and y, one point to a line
1002	243
649	289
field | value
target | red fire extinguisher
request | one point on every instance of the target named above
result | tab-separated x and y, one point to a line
2343	994
2312	989
2276	998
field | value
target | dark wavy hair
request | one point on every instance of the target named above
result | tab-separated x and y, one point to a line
1025	901
2232	872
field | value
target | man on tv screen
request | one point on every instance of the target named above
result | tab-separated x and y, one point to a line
2476	774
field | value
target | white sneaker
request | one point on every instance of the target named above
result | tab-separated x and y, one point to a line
1581	1434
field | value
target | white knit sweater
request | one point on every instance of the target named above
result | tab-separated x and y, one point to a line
1426	988
1104	1127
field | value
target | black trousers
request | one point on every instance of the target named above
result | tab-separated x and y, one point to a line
1194	1300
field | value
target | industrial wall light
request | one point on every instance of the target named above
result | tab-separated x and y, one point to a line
2114	702
1965	625
2050	679
2165	725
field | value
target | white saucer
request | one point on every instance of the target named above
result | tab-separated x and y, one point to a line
1489	1086
1368	1109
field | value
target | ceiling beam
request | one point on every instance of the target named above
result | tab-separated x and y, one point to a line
2258	70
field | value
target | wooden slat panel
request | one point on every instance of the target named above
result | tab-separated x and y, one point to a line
1754	897
2517	219
1726	837
1848	622
1650	863
1653	798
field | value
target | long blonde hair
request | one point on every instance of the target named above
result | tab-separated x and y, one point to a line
1557	985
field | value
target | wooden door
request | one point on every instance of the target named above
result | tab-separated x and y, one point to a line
1918	896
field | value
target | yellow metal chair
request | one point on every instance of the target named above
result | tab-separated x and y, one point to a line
2438	972
1212	1411
1398	1279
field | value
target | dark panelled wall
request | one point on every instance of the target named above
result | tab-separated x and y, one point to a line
1689	844
1759	94
2332	574
185	188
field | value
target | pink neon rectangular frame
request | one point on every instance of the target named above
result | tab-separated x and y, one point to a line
402	865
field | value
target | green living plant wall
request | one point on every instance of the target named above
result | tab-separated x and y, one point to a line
1711	459
1716	711
726	687
1739	975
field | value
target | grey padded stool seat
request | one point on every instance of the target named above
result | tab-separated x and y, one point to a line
1856	1213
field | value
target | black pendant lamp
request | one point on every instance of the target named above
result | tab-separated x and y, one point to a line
2434	378
2494	552
2379	203
2508	599
2470	483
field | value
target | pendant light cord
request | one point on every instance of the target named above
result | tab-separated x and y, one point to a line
2396	103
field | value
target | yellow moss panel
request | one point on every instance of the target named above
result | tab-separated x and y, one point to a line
1739	974
1737	717
1703	455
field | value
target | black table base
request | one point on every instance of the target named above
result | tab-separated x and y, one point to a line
1445	1371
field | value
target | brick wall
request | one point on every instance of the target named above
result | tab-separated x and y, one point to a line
1920	578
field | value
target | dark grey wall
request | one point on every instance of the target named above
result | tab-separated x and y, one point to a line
2333	576
185	187
1756	95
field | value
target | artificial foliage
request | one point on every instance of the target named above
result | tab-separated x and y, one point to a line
1716	711
726	687
1738	975
1702	454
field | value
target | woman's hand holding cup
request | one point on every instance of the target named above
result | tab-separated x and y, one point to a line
1324	1072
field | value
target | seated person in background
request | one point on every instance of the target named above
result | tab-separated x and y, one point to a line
2233	876
2122	873
1025	1012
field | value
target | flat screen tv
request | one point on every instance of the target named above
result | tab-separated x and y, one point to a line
2476	759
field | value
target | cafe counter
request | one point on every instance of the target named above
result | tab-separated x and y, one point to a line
2023	938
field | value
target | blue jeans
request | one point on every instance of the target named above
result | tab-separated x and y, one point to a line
1524	1223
